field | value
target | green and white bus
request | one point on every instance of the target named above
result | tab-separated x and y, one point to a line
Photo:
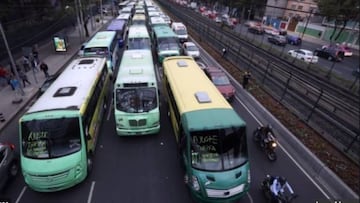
58	133
104	43
136	98
210	134
166	42
138	38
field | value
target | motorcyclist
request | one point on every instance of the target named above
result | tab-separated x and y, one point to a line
266	132
278	185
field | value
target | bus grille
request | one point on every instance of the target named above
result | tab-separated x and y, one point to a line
225	193
49	178
135	123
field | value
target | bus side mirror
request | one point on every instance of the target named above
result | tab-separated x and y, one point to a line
121	43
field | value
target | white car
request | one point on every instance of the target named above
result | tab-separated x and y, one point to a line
305	55
190	49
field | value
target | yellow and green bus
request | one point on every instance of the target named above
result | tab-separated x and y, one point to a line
58	133
136	98
104	43
211	136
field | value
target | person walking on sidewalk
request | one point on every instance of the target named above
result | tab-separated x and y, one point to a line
26	63
44	67
24	78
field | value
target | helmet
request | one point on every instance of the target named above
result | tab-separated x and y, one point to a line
282	180
268	126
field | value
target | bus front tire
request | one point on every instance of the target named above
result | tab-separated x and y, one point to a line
90	163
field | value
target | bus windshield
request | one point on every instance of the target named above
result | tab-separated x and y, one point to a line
218	150
136	100
139	43
53	138
97	50
168	43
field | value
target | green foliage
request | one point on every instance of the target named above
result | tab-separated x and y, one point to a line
339	10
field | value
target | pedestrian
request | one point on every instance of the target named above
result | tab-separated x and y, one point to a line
34	64
44	67
223	52
24	78
2	118
26	63
14	84
35	54
246	79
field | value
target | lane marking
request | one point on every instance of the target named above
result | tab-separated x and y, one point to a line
287	153
91	192
110	109
21	194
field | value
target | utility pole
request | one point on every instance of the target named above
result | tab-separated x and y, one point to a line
12	62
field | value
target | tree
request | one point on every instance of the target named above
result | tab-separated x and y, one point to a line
339	11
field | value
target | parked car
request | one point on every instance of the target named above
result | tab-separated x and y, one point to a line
190	49
271	31
293	40
9	165
303	54
256	29
331	54
46	84
277	39
221	81
347	51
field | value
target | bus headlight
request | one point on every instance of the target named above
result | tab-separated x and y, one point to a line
195	183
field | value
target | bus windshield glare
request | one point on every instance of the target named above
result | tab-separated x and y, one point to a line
168	43
136	100
218	150
139	43
44	139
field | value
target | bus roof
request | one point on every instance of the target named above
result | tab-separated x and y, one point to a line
157	20
183	68
138	31
116	24
197	98
124	16
139	16
164	31
71	89
136	66
102	38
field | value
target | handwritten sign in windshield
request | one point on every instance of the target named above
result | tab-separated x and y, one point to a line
207	148
37	144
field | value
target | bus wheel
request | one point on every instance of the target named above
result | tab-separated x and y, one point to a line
14	168
90	163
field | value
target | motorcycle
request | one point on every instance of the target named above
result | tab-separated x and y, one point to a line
282	197
267	143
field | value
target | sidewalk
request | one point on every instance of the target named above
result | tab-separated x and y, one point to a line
54	60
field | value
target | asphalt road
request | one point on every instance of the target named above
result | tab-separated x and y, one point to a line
344	68
146	168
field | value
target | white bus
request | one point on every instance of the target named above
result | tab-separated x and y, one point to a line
58	133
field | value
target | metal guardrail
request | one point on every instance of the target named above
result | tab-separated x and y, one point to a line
325	107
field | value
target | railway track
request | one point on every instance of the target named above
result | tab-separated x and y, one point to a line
311	96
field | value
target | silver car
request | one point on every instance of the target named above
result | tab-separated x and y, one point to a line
9	165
